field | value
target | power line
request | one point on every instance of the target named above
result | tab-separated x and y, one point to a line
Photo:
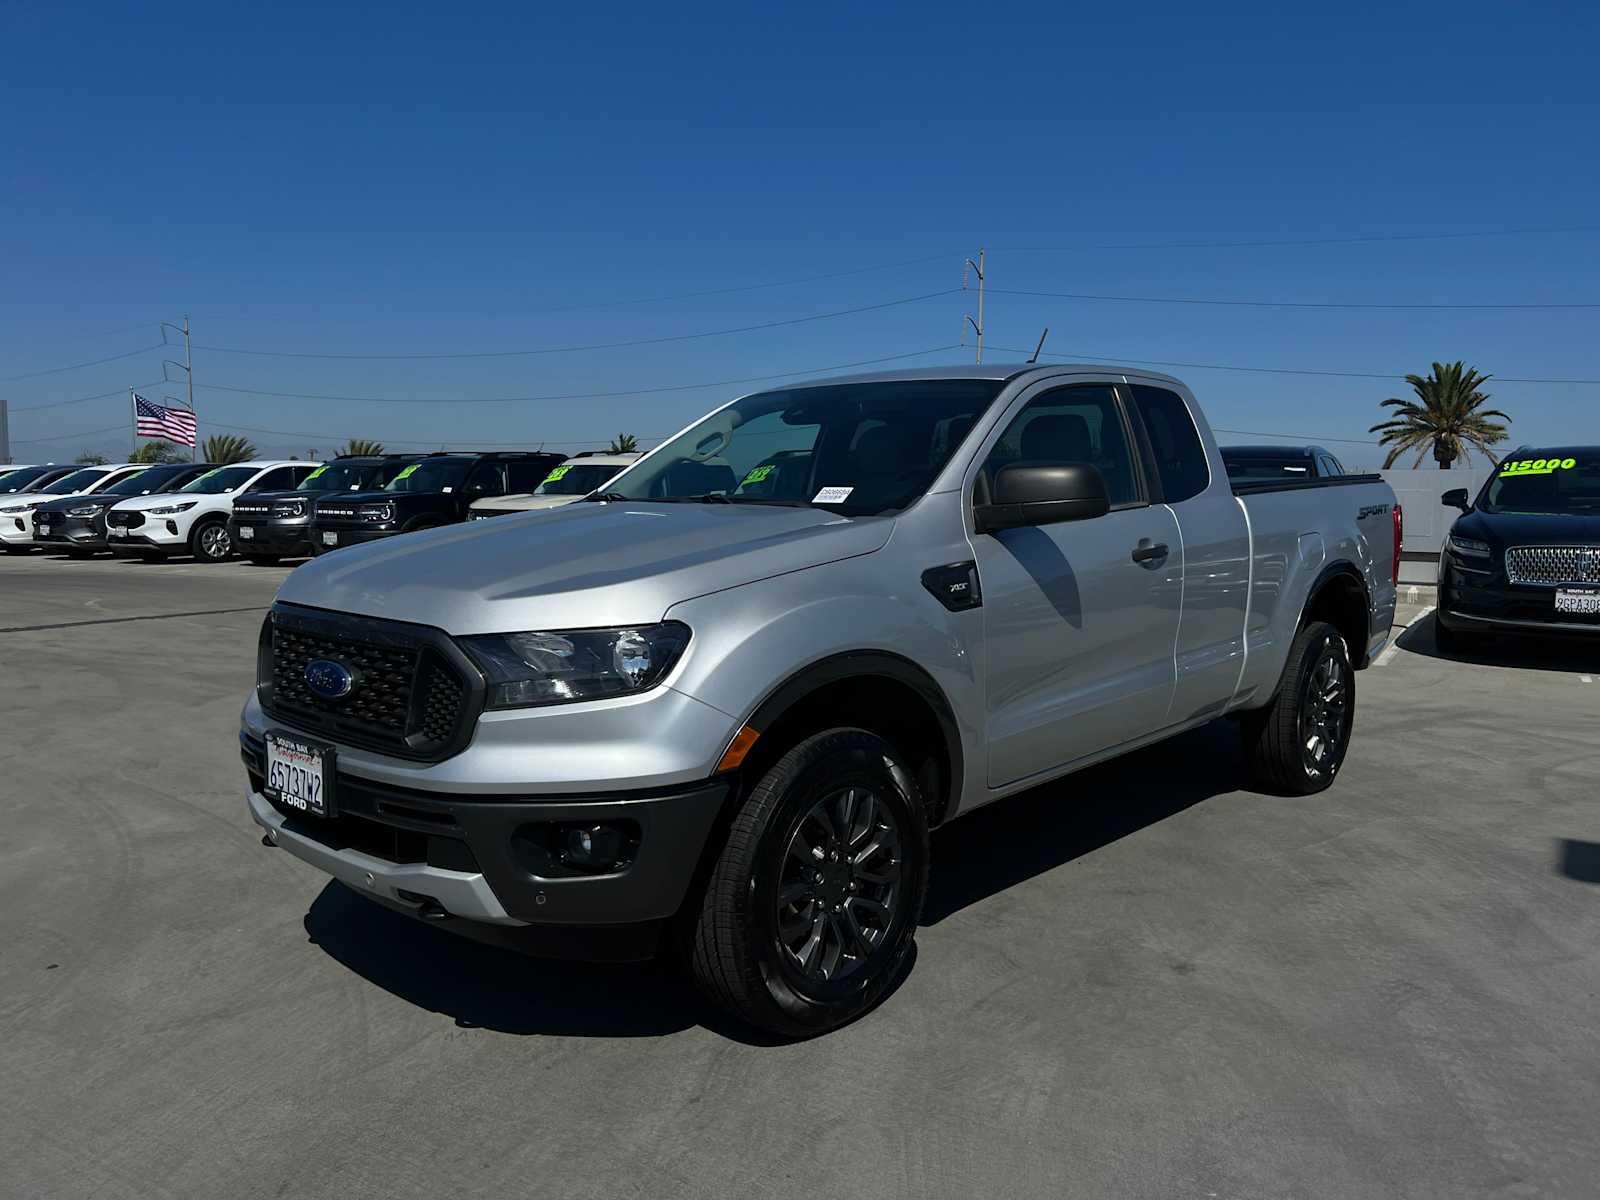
1297	437
67	437
1325	241
85	399
1282	303
79	366
655	341
1086	356
680	387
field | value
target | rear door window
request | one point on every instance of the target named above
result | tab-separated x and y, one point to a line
1180	456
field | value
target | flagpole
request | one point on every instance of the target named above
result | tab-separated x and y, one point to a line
133	409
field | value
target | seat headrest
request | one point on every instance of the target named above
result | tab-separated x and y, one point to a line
1060	437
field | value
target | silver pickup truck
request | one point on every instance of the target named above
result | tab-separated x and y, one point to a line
717	707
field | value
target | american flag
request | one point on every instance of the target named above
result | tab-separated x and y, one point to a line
173	424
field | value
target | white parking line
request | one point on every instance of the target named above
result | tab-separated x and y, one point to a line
1393	647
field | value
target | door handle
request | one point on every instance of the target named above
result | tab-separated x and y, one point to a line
1144	552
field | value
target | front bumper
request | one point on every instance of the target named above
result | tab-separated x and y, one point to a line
16	529
73	533
168	534
1488	602
286	539
347	535
477	858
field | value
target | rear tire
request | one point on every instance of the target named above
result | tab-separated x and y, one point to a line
812	906
1297	744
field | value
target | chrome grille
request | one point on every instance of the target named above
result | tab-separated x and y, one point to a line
1550	565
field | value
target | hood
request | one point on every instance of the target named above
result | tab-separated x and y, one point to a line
162	499
380	496
34	499
581	566
62	503
1529	529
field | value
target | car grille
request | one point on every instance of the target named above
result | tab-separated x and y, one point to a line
251	510
343	514
412	693
1550	565
125	520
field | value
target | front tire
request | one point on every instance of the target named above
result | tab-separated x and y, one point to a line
211	542
1297	744
811	909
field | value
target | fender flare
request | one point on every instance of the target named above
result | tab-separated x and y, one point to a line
880	664
1347	569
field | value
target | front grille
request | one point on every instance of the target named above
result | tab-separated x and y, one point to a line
125	520
343	514
1551	565
251	510
410	695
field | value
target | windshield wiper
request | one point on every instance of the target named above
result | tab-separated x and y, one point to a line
596	497
709	498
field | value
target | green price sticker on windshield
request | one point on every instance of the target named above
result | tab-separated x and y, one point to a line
1537	466
406	473
556	474
210	473
313	475
757	474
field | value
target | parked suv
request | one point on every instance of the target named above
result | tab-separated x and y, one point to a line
1525	558
723	700
436	490
268	526
28	477
194	519
16	511
77	524
570	481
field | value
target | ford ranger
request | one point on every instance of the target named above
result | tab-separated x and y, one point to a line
716	707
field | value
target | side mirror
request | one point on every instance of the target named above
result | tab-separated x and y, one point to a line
1456	498
1040	495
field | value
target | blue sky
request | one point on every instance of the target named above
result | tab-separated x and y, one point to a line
427	179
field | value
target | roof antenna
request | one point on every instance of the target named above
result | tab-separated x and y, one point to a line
1040	346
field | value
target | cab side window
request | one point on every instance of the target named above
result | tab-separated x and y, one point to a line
1081	424
486	479
299	473
1180	456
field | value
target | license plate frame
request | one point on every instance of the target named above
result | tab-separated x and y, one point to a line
247	533
1578	601
305	763
116	531
329	538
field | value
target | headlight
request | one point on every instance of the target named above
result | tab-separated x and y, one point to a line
86	510
16	508
289	508
169	509
1468	546
528	669
378	512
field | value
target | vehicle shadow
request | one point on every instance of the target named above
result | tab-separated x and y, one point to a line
487	987
1568	656
1036	831
1578	860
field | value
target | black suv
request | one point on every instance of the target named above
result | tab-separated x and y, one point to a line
435	490
1525	558
77	524
267	526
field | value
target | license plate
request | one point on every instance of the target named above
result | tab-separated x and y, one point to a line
300	774
1578	600
330	539
116	531
44	526
247	532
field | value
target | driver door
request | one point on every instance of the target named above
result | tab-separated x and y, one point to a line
1079	633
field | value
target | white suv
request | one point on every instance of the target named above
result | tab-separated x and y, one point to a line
194	519
16	510
572	480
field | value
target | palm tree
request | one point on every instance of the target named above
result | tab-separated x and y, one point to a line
90	459
623	443
158	452
364	447
1448	415
227	448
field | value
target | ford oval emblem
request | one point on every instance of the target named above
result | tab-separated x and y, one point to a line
328	679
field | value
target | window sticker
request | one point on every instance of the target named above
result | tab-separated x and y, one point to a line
210	473
555	475
406	473
1537	466
313	475
832	495
757	474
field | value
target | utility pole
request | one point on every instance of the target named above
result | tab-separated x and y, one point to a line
977	269
5	433
187	367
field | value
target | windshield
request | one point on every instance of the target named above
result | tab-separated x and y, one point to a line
222	479
575	479
79	481
1557	485
857	448
142	483
349	476
13	481
430	475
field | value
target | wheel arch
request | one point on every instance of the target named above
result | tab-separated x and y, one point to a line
874	690
1340	597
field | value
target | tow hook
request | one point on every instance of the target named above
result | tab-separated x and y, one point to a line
270	842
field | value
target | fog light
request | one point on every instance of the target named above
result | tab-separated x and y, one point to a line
593	845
